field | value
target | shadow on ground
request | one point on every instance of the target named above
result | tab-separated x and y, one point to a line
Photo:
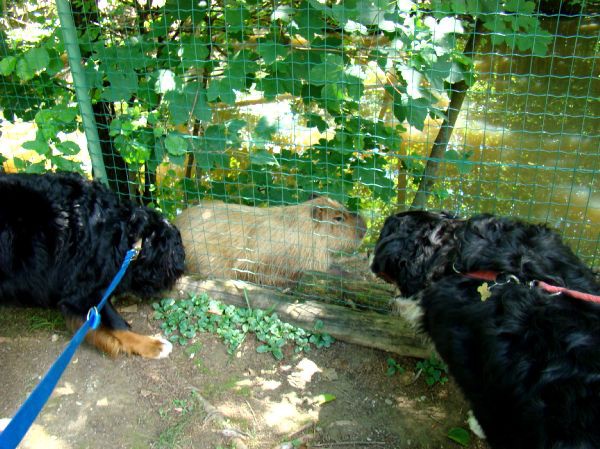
133	403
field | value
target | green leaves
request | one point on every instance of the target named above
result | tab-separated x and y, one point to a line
221	90
309	19
193	52
37	59
520	29
40	147
270	50
330	71
165	74
27	66
68	148
23	71
8	65
176	145
122	86
461	160
56	153
416	111
459	435
393	367
434	370
324	398
187	104
236	14
183	319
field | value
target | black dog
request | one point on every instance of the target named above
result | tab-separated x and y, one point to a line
63	239
527	360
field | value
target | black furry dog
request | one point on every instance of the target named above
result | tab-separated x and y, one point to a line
526	359
63	239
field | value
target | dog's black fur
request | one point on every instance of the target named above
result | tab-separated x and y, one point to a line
528	362
63	239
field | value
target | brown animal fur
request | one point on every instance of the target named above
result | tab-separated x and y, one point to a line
271	246
114	342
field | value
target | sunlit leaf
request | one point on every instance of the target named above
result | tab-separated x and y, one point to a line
166	82
39	147
263	157
8	65
324	398
68	148
175	145
37	59
23	70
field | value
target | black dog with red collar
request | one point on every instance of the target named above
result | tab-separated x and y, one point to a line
528	360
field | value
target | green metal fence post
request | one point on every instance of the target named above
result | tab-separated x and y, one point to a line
81	89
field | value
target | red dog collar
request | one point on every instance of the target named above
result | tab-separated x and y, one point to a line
491	276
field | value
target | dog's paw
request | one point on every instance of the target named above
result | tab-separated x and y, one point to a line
474	425
114	342
167	347
156	347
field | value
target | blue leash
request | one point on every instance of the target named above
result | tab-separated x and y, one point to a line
30	409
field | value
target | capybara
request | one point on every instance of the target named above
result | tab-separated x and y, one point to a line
270	246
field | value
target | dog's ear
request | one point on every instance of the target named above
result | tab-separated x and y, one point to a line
413	249
161	260
137	223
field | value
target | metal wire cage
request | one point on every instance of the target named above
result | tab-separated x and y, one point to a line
250	109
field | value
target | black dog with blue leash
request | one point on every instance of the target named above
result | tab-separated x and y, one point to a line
62	241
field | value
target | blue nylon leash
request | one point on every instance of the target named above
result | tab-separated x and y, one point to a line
30	409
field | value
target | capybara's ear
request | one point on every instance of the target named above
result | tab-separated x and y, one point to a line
313	196
320	212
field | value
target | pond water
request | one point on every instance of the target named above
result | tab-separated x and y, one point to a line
531	128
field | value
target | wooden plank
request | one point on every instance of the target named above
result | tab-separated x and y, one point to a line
386	332
346	289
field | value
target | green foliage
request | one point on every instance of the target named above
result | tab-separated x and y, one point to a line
183	319
169	83
48	320
57	153
434	370
178	414
460	435
393	367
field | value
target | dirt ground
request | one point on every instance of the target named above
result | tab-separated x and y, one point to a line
129	402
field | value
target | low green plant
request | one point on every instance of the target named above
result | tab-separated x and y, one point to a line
460	435
178	414
183	319
434	370
46	320
393	367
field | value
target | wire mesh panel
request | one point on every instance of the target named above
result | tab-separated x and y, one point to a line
233	115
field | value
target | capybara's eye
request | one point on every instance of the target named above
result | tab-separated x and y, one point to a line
339	218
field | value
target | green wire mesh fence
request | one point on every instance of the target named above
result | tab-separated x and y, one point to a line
376	106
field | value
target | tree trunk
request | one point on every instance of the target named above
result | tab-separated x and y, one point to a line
459	92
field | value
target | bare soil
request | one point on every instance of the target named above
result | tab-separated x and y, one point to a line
129	402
